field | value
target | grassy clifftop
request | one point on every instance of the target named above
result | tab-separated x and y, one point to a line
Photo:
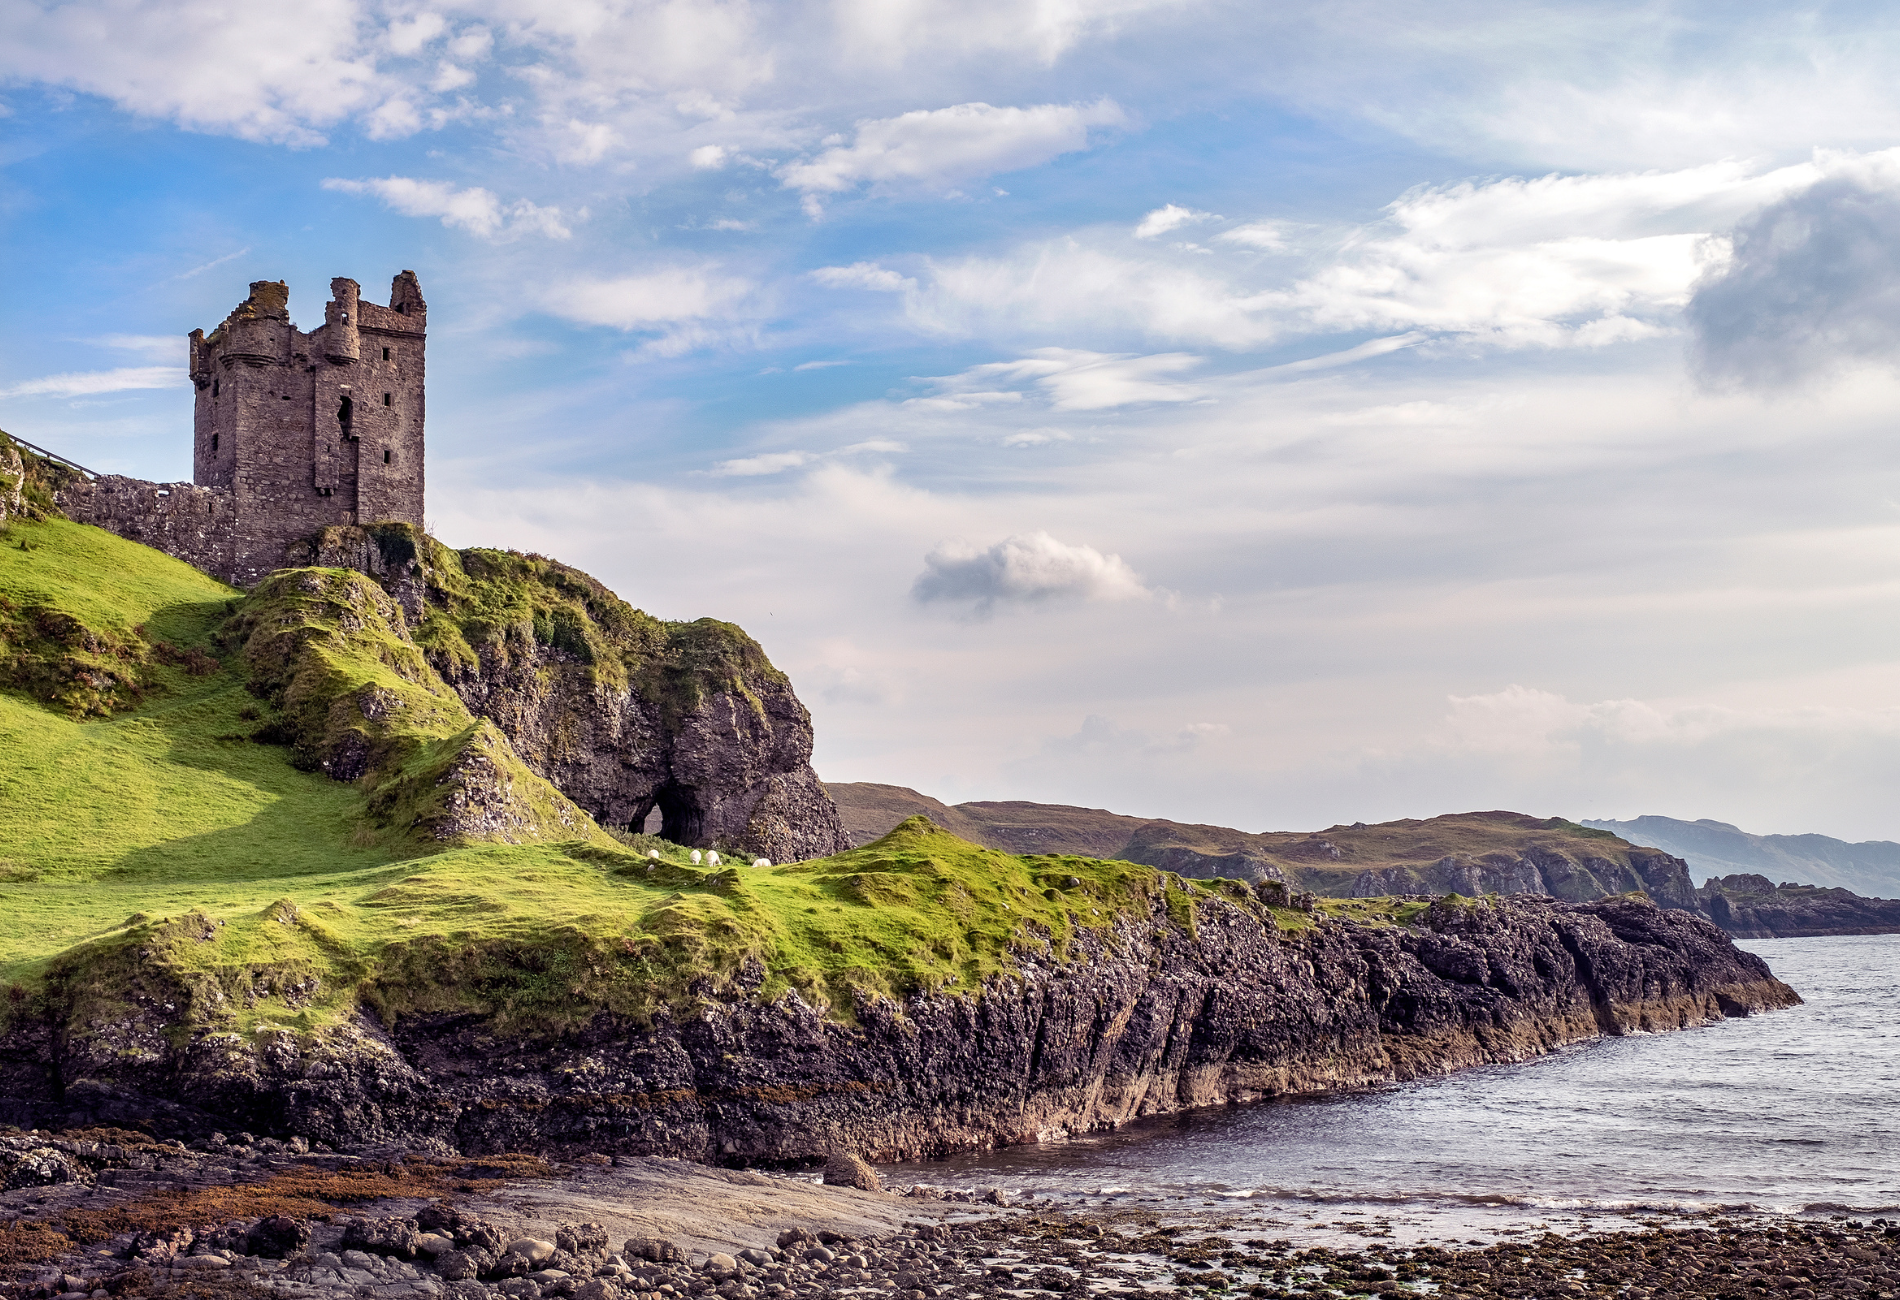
246	821
505	603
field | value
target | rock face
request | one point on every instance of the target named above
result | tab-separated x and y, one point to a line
12	481
353	697
1146	1019
623	712
1749	906
1541	869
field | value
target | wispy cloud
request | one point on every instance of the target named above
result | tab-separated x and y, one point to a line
935	148
93	382
687	306
777	462
1171	217
863	275
474	209
1070	380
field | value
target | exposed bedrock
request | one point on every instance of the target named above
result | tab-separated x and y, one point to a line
1539	869
1750	906
1148	1021
623	712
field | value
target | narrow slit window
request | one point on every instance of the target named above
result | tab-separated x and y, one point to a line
385	354
385	399
214	387
385	455
214	442
344	416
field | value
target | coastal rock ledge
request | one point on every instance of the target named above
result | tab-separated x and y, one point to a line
1189	1009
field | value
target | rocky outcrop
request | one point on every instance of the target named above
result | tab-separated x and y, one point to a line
624	713
1540	869
330	655
1749	906
12	481
1158	1015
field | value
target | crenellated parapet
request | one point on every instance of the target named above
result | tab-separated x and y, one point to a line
302	431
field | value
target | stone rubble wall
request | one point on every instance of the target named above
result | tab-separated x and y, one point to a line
194	524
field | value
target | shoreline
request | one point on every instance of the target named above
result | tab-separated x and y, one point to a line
651	1228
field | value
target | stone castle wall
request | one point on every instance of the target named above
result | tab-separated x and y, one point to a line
196	524
293	432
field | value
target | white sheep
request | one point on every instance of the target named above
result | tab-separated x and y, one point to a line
695	857
761	862
712	859
654	854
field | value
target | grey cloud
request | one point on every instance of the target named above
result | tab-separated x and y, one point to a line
1024	569
1814	284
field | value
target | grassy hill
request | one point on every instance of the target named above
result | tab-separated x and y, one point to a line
168	825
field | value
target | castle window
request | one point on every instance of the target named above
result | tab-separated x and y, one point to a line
214	442
344	413
385	354
385	455
214	388
385	399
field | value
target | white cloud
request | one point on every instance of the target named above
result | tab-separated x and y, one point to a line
708	157
1025	569
774	462
473	44
673	296
409	36
1071	380
896	31
263	72
940	147
863	275
1553	261
1164	219
1268	236
777	462
475	210
586	142
90	383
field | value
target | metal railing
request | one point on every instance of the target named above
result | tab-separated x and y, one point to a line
40	451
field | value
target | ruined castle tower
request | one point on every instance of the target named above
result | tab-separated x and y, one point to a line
293	433
306	430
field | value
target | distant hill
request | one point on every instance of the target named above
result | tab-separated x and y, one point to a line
1466	853
1713	848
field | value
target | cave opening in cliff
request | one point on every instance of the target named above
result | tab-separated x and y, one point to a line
681	818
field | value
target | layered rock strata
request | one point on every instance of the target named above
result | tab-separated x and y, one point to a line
1152	1018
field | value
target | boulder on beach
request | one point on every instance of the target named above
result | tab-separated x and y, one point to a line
844	1169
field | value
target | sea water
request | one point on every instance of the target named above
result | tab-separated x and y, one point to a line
1794	1111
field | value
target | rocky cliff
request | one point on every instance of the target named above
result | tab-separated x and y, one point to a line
1749	906
326	651
1178	996
625	713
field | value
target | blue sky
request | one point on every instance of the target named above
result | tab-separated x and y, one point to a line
1267	416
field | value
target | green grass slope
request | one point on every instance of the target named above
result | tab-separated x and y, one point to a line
189	838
